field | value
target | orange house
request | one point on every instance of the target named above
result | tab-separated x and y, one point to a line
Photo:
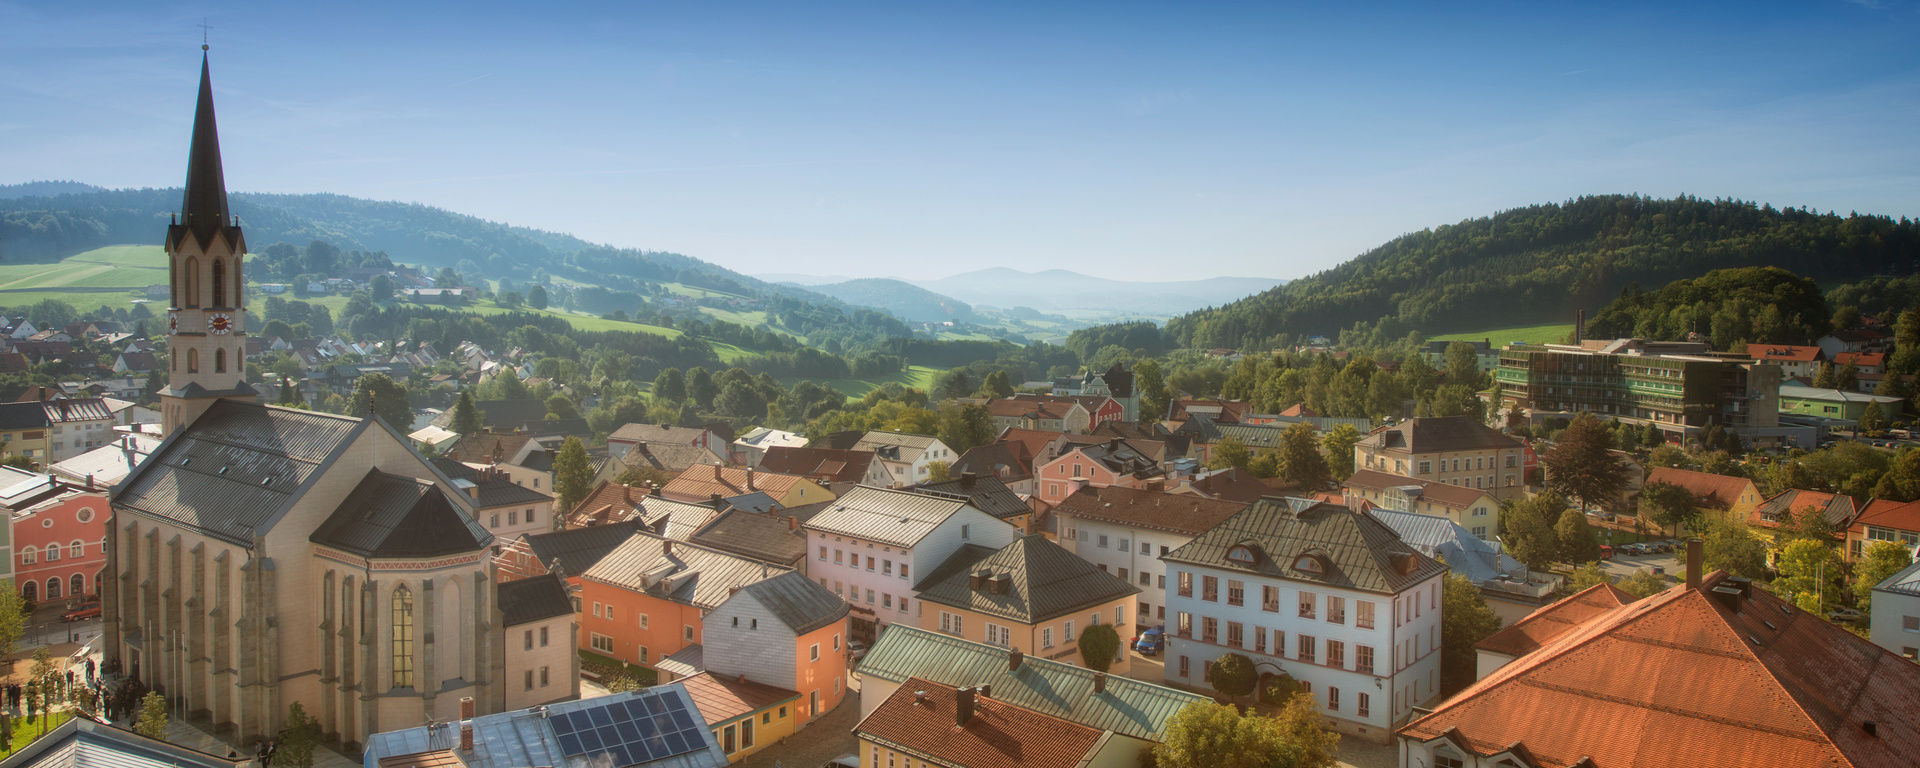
787	632
645	599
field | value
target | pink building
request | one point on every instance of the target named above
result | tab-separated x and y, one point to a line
57	545
1114	463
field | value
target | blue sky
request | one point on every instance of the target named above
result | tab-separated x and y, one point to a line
1146	141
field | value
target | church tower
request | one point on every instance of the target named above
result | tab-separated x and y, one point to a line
207	318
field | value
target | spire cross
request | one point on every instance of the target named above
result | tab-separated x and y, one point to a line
203	33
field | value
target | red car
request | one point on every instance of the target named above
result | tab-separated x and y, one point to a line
89	610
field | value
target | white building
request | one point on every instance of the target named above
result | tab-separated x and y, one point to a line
537	613
1316	591
1124	531
872	545
908	458
750	448
1896	613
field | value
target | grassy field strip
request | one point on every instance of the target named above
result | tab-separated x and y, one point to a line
1530	334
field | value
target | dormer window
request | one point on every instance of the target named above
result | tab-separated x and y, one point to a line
1310	564
1241	554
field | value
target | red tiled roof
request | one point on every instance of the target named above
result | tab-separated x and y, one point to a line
1184	514
1780	509
1861	359
608	503
998	735
1681	680
1887	513
1011	408
1299	409
1785	353
722	699
835	466
1542	626
1232	485
1456	496
1722	490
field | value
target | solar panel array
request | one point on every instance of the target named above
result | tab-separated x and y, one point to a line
639	730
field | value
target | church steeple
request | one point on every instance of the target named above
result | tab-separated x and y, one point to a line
204	209
207	322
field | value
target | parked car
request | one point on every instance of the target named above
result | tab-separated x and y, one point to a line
1151	641
88	610
848	760
1847	615
1606	552
856	650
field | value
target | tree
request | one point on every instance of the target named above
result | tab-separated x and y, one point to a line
1665	455
1465	620
298	739
537	297
466	415
1527	529
1578	544
1826	378
1668	506
1872	420
1210	735
1807	523
382	288
1902	480
1151	383
700	386
1586	576
561	408
572	475
1582	465
1730	546
1809	576
671	384
1233	675
1338	447
1300	459
14	617
1228	452
510	299
152	720
1099	646
1880	560
377	394
1847	378
997	384
1643	584
939	472
1463	365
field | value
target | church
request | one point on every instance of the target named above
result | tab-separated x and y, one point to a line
263	556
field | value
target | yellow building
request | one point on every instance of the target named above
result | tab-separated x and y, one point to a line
1471	508
745	717
1455	450
23	431
1033	596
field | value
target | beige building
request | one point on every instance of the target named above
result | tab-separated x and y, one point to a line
1032	596
1455	450
541	634
264	556
1471	508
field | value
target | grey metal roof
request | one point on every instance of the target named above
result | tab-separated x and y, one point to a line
526	737
495	489
1442	539
1251	435
674	519
1906	582
682	572
27	415
393	516
236	468
987	493
1132	707
799	602
1356	551
83	743
761	537
900	518
533	599
578	549
1045	581
686	662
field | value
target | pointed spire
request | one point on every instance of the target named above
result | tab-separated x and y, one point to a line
204	209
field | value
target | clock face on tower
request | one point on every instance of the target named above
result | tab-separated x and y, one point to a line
220	323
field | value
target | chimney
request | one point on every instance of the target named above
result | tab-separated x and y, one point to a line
1014	658
716	472
716	500
466	707
963	706
466	737
999	583
1727	595
666	547
1579	325
1694	559
89	481
749	478
793	524
976	580
1099	682
919	698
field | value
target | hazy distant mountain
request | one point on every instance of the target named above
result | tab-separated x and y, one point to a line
1063	290
795	278
905	300
45	189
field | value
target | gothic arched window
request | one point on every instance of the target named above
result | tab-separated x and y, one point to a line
402	637
193	361
220	283
220	360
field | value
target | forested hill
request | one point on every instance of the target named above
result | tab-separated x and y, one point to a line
39	228
1540	263
905	300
